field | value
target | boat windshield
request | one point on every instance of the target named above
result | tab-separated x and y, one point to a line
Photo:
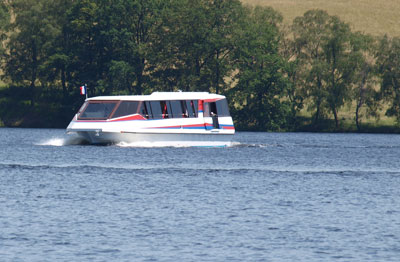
98	110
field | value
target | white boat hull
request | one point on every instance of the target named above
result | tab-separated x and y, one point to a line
156	139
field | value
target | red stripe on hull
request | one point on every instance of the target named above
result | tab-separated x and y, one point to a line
179	126
129	118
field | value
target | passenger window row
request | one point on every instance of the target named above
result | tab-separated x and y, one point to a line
169	109
152	109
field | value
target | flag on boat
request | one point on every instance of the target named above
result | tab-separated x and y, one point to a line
83	90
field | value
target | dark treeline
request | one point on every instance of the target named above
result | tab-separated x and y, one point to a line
268	71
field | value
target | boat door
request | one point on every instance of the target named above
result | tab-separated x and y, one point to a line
210	115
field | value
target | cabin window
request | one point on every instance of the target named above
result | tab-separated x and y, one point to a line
82	107
189	108
126	108
165	109
195	107
206	109
98	110
222	107
210	109
156	109
219	108
213	108
176	108
147	105
143	110
185	112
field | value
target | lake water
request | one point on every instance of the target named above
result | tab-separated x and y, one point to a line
270	197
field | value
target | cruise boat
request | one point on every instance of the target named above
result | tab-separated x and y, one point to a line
162	118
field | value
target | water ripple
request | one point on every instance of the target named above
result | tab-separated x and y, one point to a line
269	197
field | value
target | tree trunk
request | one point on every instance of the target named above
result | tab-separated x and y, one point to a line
336	117
34	72
317	113
139	81
318	103
357	116
217	74
63	83
361	96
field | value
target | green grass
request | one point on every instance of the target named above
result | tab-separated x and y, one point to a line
369	16
2	84
347	122
305	124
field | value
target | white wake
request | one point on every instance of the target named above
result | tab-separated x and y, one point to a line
75	140
175	144
62	141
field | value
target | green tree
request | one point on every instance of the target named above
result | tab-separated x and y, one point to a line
223	21
341	60
135	40
294	70
31	32
4	22
113	35
197	45
309	33
324	47
84	56
389	70
366	97
56	68
261	85
183	47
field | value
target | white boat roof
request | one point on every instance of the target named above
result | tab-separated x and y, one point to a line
161	96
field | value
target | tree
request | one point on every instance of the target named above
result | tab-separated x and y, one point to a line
113	35
4	22
196	44
261	84
31	32
184	46
138	22
324	48
295	71
310	32
364	94
224	15
56	67
84	56
389	69
341	61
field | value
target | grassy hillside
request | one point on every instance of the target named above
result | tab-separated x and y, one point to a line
369	16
